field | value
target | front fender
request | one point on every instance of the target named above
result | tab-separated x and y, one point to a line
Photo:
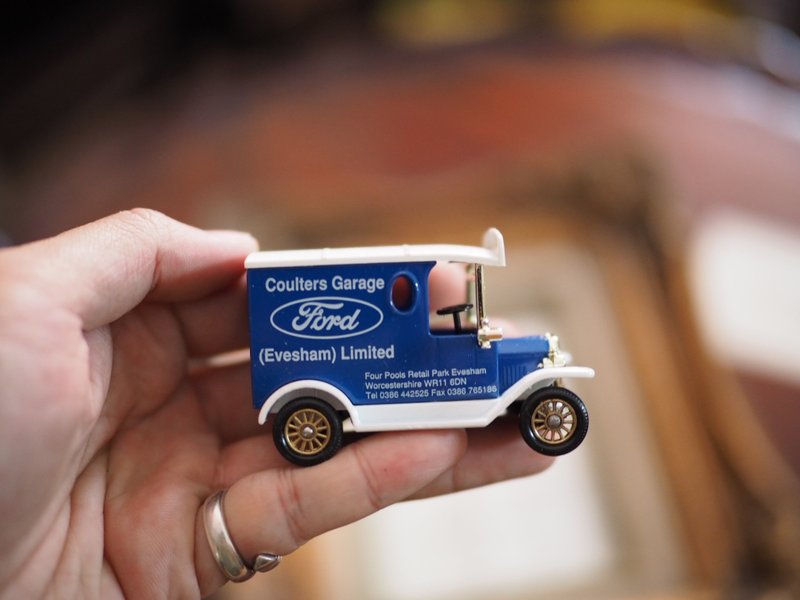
541	378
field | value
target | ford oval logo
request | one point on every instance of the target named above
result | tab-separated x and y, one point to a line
326	318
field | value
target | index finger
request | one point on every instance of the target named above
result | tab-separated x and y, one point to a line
102	270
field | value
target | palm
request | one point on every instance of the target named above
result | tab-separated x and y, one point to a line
163	461
149	452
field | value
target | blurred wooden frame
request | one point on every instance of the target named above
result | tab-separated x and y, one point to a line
737	503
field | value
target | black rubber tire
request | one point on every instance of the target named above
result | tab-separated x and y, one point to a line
326	424
566	404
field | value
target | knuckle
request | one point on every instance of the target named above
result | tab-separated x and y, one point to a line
145	216
147	228
144	224
367	475
291	504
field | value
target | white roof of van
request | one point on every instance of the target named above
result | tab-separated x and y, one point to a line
492	253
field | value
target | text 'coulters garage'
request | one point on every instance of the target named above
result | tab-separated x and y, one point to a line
337	282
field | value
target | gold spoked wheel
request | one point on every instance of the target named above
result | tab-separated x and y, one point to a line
307	431
553	422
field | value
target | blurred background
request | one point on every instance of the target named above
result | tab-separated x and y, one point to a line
642	159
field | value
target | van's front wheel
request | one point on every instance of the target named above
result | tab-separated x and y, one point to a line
307	431
553	421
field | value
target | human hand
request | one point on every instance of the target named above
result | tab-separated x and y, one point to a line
115	424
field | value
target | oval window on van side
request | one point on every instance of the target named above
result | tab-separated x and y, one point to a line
404	292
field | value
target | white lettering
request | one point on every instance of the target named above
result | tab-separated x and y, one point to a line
366	284
368	353
272	355
296	284
311	315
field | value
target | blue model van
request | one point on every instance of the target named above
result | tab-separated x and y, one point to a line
341	340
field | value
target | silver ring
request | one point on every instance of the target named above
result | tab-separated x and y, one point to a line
226	554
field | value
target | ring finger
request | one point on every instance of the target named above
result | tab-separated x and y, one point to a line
278	510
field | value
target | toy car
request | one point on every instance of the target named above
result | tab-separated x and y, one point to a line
341	340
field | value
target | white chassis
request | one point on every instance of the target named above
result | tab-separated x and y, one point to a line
418	415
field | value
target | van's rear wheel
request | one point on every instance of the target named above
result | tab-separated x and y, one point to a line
553	421
307	431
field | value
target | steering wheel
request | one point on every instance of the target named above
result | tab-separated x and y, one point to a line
455	310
